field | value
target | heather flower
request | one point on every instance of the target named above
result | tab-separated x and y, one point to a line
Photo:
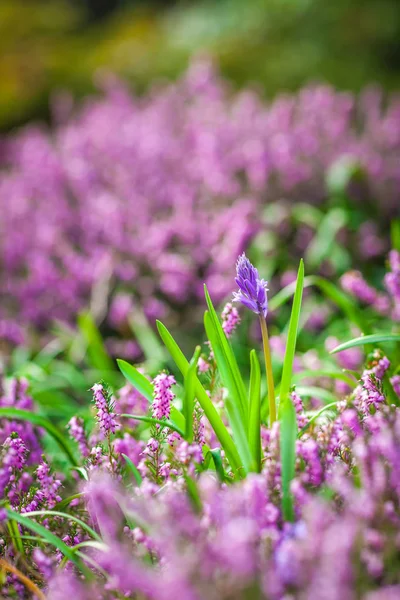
105	418
252	291
163	395
298	404
14	459
77	432
230	319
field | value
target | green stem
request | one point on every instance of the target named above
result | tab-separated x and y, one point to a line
268	368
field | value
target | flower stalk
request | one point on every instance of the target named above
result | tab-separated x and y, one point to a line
268	368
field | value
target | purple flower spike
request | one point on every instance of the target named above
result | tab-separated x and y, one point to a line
252	290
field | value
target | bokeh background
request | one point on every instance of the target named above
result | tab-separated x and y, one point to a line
48	45
145	145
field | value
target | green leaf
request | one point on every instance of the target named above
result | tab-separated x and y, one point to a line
321	246
153	421
193	493
16	536
215	455
145	387
137	379
57	513
67	501
395	234
50	538
376	338
188	401
288	435
226	362
204	401
39	421
97	353
133	469
287	411
232	402
287	371
255	409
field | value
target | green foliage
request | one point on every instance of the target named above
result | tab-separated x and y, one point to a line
366	340
287	411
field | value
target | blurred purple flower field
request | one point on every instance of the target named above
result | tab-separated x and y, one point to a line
151	196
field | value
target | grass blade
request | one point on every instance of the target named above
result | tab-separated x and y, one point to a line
153	421
148	340
232	402
188	401
226	362
287	412
137	379
50	538
314	417
96	351
364	340
288	435
287	371
133	469
209	409
145	387
255	409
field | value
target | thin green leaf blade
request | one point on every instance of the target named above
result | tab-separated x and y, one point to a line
287	412
364	340
255	409
50	538
209	409
288	435
232	403
226	362
133	470
137	379
188	401
292	338
96	351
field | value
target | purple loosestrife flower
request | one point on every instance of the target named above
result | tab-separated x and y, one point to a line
163	395
105	417
252	291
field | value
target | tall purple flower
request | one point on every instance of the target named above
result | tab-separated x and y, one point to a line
252	290
253	294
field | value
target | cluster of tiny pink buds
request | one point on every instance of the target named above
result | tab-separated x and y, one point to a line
203	366
77	432
230	319
379	364
163	395
105	417
47	494
298	404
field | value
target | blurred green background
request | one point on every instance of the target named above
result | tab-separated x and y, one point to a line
49	45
